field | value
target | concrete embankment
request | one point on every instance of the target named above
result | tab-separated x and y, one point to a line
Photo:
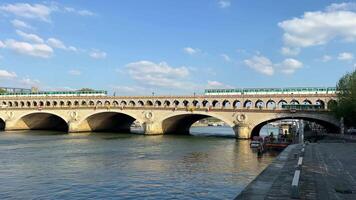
328	171
278	173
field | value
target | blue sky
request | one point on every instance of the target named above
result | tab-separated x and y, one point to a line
175	47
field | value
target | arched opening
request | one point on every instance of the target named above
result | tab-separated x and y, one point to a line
69	103
294	102
10	104
28	104
110	122
158	103
132	103
22	104
176	103
271	104
76	103
185	103
281	103
140	103
196	104
48	103
307	102
215	103
41	104
61	103
91	103
248	104
42	121
99	103
149	103
206	103
107	103
16	104
203	125
123	103
34	104
331	104
276	125
54	103
2	125
226	104
259	104
84	103
321	103
236	104
166	103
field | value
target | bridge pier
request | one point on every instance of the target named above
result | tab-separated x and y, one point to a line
152	128
242	131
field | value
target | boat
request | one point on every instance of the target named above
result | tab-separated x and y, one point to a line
255	144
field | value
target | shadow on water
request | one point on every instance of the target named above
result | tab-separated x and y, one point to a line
37	132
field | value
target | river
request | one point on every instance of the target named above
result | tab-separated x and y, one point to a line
49	165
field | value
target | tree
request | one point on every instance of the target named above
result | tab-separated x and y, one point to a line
346	99
2	91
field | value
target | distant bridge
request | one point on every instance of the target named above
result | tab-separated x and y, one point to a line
246	114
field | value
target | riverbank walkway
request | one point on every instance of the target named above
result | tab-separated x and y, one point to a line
328	172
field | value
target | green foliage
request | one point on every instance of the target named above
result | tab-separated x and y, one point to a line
2	91
346	99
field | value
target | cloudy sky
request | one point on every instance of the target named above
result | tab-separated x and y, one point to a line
175	47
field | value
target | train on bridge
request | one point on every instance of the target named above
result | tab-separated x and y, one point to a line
264	91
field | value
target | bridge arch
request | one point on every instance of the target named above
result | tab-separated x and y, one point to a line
41	121
132	103
248	103
236	104
307	102
226	104
328	122
321	103
281	103
108	121
2	124
259	104
181	123
271	104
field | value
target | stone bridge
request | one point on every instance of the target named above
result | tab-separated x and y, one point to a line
246	114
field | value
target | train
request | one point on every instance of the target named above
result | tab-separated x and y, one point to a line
57	93
258	91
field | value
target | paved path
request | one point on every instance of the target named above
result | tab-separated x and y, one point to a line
328	172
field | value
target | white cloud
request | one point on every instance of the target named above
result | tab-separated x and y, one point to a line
265	66
79	12
290	65
28	82
261	64
37	50
191	51
97	54
326	58
349	6
346	56
226	57
85	13
20	24
224	3
29	37
130	90
158	74
56	43
290	51
74	72
320	27
2	45
30	11
217	84
7	74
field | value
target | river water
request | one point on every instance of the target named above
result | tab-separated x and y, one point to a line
47	165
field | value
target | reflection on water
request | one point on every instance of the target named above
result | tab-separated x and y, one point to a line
129	166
